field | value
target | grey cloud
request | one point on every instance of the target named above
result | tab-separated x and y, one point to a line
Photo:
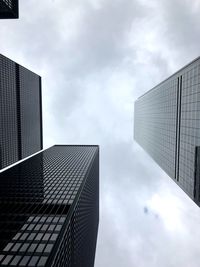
103	33
146	210
182	26
82	89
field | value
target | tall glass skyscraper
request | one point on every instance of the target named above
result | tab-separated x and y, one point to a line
20	112
167	126
9	9
49	208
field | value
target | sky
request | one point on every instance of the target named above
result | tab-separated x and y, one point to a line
96	57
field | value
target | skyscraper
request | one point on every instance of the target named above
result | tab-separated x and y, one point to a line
9	9
20	112
167	126
49	208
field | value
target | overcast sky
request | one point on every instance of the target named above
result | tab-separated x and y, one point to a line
95	58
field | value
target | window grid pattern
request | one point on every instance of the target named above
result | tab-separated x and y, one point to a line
20	112
155	124
85	221
190	126
8	113
29	111
83	226
37	197
152	132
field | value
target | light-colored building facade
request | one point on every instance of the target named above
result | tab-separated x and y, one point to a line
167	126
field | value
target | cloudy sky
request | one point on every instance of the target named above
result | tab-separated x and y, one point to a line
96	57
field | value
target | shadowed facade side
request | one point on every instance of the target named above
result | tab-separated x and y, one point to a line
20	112
49	208
9	9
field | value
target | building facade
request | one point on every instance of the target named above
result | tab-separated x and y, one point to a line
167	126
9	9
49	208
20	112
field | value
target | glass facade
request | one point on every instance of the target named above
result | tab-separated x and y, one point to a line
9	9
20	112
30	111
49	208
167	126
8	113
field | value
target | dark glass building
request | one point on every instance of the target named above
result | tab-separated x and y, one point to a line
167	126
9	9
49	208
20	112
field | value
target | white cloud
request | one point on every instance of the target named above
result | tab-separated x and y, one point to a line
168	209
95	58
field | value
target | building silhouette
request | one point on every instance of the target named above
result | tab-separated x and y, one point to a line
167	126
9	9
20	112
49	208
